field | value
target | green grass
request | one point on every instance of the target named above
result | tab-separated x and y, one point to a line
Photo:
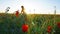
10	24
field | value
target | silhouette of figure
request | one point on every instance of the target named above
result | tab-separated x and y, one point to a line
22	11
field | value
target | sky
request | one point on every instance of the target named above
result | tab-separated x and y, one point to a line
31	6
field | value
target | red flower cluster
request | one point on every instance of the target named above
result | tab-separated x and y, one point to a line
49	29
25	28
58	24
17	13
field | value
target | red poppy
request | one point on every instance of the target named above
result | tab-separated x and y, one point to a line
49	29
58	24
25	28
17	13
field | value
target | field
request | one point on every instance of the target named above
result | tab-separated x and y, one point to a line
38	23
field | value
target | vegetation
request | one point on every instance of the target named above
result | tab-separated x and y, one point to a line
10	24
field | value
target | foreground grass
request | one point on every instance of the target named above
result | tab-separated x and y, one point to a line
10	24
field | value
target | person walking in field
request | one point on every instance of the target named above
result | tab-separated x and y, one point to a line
22	11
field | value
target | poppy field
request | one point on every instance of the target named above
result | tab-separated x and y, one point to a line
29	24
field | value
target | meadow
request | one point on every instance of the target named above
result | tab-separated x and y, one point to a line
38	23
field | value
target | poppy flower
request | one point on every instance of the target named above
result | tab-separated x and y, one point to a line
24	27
58	24
49	29
17	13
